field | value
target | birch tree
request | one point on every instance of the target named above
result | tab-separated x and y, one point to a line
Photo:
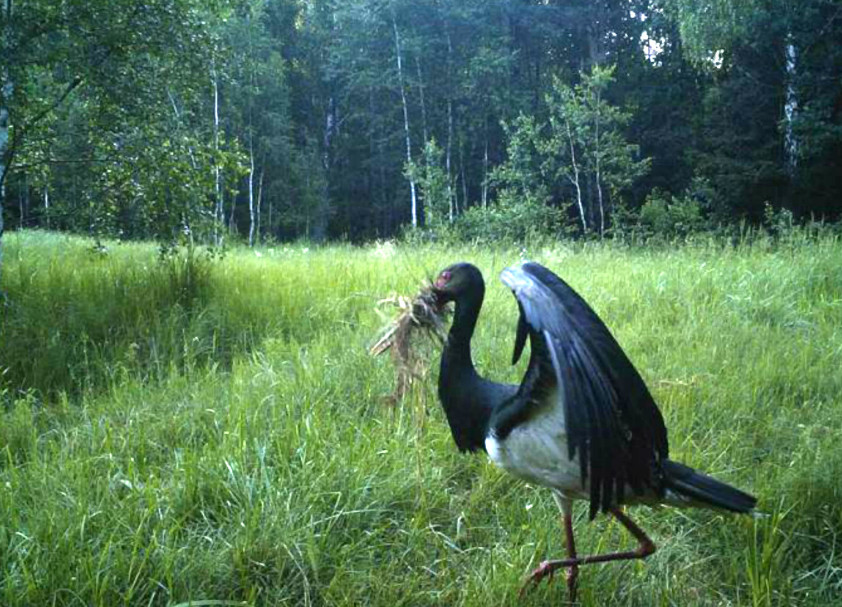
102	63
6	89
791	103
714	28
406	130
588	132
581	142
219	214
431	178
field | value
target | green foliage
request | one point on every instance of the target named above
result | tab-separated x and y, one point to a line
512	220
521	212
670	217
432	182
579	153
667	218
101	95
708	26
274	474
521	174
779	222
121	114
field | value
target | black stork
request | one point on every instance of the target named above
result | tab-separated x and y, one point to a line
582	422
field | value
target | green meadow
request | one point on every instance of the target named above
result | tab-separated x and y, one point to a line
189	430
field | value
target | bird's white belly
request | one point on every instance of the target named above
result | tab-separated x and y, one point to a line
536	451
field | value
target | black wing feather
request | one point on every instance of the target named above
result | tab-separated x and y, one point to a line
522	334
613	423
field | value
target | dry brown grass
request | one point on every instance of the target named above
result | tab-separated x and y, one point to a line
420	321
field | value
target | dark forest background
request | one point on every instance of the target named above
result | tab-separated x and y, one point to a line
269	120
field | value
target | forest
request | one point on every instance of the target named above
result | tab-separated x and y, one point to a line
212	213
274	120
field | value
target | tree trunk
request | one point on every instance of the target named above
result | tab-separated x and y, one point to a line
190	149
597	153
451	203
388	202
378	210
319	229
791	105
456	193
450	200
421	96
405	118
252	216
7	88
47	206
485	169
232	226
219	213
595	31
464	180
271	213
22	202
575	178
260	199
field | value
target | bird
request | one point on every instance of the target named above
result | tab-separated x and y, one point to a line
581	422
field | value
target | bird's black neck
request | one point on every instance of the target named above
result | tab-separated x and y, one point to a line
461	390
457	352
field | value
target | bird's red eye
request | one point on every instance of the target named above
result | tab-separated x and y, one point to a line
443	279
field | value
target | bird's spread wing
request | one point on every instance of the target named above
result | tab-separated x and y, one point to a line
612	422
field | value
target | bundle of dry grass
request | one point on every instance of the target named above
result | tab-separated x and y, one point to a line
420	316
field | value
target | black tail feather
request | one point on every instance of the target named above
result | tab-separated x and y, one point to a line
702	488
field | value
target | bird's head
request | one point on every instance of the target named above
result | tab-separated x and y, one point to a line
457	282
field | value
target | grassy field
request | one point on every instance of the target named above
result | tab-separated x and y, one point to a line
215	431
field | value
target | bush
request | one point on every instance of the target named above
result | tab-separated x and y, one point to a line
510	221
665	217
670	217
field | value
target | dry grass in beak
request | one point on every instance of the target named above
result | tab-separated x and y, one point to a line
420	316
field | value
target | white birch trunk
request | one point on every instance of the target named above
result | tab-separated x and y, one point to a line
251	193
575	178
8	88
597	166
447	161
791	105
47	205
485	171
178	118
253	219
22	203
271	214
319	229
185	217
260	199
450	199
456	193
464	180
232	227
405	119
219	214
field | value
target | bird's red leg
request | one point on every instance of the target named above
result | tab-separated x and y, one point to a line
546	568
645	547
573	570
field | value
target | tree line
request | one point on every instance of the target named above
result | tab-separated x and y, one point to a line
358	119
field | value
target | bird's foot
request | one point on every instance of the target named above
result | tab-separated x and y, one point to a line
546	570
572	574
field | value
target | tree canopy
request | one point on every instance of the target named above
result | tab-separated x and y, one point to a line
281	119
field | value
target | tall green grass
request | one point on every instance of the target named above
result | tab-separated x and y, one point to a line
224	437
